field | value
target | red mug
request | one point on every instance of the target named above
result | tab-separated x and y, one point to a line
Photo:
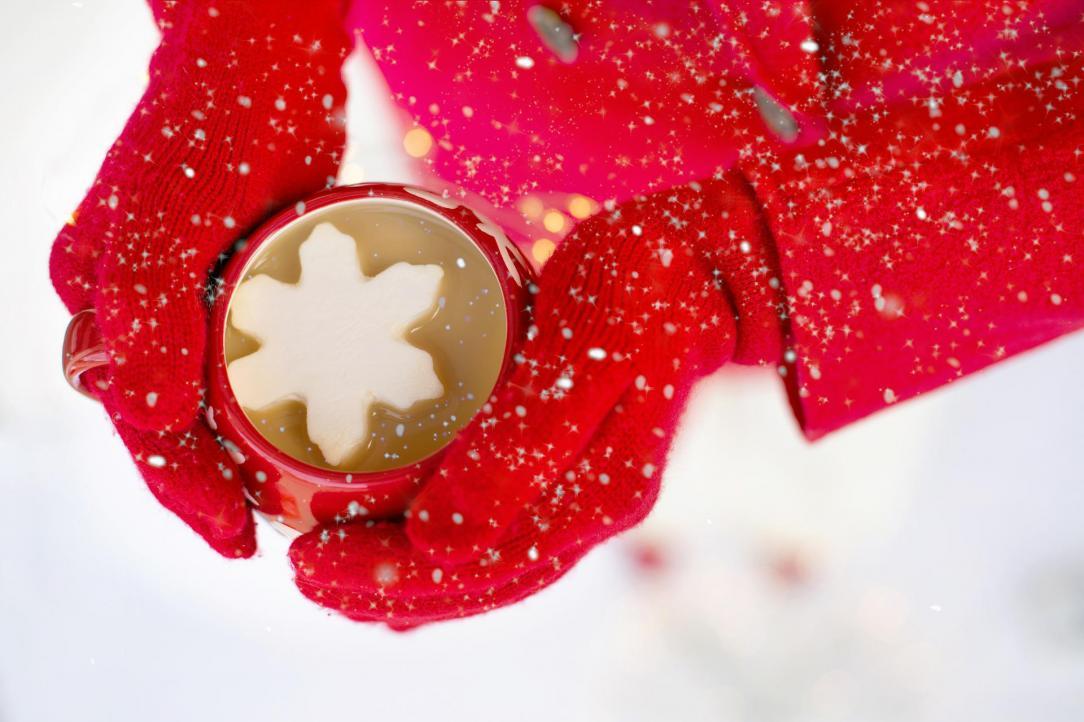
286	490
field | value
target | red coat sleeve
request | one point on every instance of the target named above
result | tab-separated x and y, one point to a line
923	242
928	224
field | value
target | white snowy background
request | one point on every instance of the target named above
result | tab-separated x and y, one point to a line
927	564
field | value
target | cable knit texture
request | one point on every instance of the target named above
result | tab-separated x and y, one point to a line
243	114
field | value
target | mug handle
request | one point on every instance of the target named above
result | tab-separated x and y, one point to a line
83	350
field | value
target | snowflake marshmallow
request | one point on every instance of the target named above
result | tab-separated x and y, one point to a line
335	340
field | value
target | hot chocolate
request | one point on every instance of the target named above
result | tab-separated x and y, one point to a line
361	337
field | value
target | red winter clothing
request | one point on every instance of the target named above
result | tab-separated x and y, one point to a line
667	93
907	215
208	153
634	307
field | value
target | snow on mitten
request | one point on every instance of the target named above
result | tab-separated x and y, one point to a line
243	114
633	308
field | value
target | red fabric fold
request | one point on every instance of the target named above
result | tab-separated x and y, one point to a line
242	114
900	103
915	250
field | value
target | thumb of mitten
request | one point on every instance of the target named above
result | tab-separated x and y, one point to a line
208	153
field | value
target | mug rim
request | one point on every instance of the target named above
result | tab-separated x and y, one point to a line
498	251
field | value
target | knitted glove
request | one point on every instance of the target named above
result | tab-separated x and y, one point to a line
634	307
232	126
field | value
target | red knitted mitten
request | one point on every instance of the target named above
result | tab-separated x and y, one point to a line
232	126
634	307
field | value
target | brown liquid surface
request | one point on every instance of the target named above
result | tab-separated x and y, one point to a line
465	335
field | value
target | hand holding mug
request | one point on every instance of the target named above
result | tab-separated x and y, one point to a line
633	308
207	154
